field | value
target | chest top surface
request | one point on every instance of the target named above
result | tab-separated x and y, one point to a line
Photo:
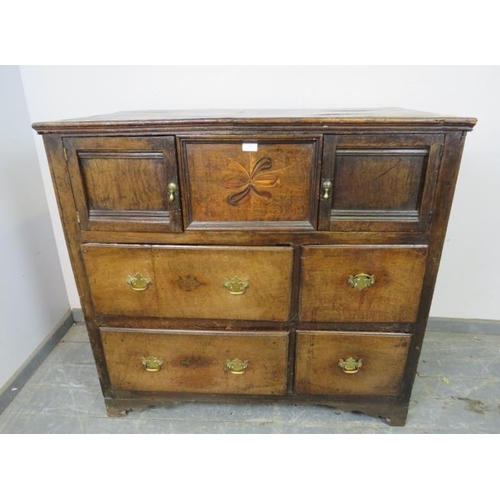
255	117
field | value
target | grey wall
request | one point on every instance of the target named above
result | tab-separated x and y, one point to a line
33	296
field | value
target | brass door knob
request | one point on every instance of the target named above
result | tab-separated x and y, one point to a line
236	366
350	365
361	281
236	286
327	189
172	189
152	364
138	282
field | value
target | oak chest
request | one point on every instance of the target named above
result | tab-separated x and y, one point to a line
283	256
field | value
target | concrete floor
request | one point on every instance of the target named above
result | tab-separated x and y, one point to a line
457	390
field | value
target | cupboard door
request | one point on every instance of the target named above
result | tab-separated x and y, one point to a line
380	182
125	183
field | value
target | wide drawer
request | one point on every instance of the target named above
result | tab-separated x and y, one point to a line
245	283
361	283
196	362
343	363
250	182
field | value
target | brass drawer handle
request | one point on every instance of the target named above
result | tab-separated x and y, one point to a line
172	188
152	364
236	366
361	281
327	187
350	365
236	286
138	282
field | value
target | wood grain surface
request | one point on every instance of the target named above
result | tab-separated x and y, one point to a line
366	181
381	182
228	185
157	121
190	282
108	268
195	362
318	354
122	183
395	296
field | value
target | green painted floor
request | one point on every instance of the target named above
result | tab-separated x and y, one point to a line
457	390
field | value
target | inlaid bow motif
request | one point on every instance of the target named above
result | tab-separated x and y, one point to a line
257	181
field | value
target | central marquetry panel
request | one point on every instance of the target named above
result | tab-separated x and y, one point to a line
250	183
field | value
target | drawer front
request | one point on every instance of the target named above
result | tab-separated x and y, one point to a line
246	283
362	284
345	364
196	362
125	184
380	182
252	183
121	279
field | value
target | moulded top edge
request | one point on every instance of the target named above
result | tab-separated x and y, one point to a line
255	117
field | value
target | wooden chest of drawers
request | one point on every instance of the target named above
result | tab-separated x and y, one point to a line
256	255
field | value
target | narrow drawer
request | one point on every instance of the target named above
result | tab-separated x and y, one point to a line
251	182
361	283
196	362
345	364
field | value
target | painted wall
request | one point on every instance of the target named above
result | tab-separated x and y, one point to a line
33	297
465	287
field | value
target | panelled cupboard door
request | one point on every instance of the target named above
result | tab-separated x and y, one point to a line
356	284
196	362
250	182
383	182
125	183
348	364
